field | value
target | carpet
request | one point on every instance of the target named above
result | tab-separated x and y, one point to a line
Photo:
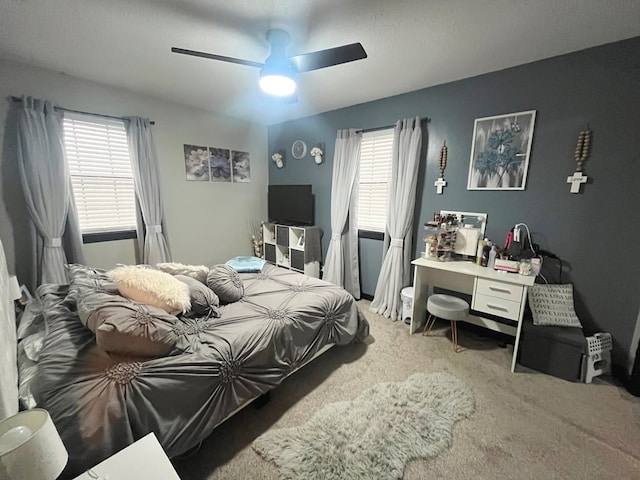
376	434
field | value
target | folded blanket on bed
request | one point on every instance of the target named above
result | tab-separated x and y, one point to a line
246	264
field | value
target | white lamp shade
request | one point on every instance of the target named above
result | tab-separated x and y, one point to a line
14	288
31	447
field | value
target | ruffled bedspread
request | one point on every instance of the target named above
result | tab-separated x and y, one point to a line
102	402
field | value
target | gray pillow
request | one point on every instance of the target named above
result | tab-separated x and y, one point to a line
27	373
226	283
203	300
552	305
122	326
128	328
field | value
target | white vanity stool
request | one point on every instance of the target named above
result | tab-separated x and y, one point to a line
449	308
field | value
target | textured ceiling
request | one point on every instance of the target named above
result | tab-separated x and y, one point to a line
411	44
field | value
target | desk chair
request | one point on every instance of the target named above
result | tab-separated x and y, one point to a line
449	308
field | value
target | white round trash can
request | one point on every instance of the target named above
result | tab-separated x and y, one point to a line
406	295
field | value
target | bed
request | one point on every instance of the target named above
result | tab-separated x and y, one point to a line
101	402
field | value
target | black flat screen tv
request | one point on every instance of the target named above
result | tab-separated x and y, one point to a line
291	204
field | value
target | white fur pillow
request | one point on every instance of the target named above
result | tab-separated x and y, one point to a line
199	272
152	287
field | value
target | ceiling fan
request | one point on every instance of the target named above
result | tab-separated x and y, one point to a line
278	73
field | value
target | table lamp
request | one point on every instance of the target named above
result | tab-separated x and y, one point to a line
30	447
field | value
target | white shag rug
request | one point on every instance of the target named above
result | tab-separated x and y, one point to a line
375	435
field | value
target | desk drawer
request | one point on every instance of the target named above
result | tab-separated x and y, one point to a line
493	288
496	306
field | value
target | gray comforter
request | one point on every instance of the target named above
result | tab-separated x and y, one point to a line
101	402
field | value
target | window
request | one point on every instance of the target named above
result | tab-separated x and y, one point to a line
100	168
375	173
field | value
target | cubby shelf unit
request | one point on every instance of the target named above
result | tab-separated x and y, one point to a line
284	246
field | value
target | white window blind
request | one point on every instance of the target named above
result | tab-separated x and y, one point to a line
375	173
100	168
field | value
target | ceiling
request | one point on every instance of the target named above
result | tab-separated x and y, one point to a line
411	44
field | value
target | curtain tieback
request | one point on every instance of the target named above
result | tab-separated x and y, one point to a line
154	228
336	236
397	242
53	242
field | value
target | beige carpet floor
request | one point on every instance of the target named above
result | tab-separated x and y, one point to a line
527	425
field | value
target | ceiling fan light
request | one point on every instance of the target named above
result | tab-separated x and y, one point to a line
278	85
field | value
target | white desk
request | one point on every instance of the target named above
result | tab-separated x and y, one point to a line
499	293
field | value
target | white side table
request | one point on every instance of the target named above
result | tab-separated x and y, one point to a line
142	460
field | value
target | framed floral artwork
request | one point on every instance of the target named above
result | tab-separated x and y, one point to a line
214	164
500	151
241	167
220	164
196	162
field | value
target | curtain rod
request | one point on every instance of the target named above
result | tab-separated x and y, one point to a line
375	129
19	100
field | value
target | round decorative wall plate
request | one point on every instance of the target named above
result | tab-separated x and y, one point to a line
298	149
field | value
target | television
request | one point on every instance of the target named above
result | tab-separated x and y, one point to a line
290	204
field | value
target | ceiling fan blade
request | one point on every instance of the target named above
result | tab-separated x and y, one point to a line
213	56
329	57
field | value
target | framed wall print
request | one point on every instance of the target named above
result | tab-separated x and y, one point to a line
500	151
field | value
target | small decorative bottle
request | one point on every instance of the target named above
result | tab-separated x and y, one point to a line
481	244
485	253
492	257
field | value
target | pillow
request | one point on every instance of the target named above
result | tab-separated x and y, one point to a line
246	264
82	276
199	272
32	329
553	305
203	300
27	374
152	287
126	328
226	283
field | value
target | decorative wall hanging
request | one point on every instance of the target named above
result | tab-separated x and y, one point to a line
500	151
278	158
241	166
211	164
317	153
196	162
441	182
298	149
581	154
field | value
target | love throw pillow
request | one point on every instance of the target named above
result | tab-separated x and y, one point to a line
552	305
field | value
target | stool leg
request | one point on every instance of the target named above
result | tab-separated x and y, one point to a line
454	335
427	328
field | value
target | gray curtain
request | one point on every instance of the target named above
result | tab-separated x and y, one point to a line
342	254
47	189
152	236
394	274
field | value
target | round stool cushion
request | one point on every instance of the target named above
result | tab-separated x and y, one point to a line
447	307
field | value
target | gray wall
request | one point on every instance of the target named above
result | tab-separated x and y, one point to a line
207	222
596	232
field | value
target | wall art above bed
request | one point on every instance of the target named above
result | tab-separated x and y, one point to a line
212	164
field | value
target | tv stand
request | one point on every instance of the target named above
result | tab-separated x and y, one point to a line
295	247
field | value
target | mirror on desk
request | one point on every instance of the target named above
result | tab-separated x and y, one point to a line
469	227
